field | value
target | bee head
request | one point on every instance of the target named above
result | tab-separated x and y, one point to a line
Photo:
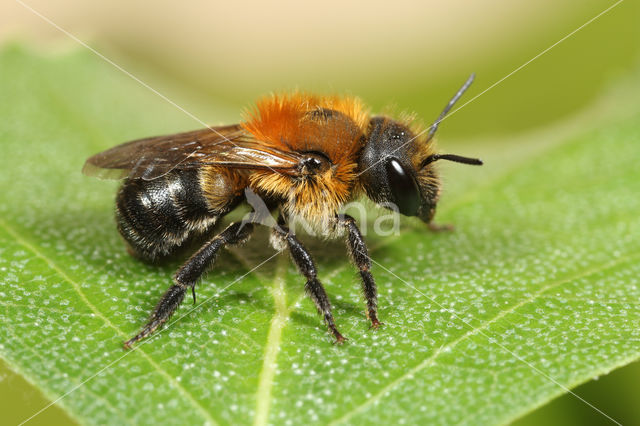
396	166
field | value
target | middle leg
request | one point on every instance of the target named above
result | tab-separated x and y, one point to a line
284	238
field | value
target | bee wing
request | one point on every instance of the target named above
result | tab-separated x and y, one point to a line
150	158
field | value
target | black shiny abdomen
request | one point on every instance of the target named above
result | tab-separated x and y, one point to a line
157	216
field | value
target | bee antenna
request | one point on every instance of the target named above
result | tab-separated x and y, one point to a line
451	157
456	97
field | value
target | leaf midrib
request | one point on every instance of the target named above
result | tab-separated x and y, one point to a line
272	347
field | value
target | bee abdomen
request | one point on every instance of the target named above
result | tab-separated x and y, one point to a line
157	216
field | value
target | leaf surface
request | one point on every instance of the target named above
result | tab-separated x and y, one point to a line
535	292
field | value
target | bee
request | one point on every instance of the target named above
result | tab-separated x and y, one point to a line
305	156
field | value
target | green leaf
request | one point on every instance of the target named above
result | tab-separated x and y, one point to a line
535	292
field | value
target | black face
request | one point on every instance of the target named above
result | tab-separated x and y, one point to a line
388	176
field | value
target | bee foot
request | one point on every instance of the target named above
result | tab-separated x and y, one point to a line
340	339
375	324
434	227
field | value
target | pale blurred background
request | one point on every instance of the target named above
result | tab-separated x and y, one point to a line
408	55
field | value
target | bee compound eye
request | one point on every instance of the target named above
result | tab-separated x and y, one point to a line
403	187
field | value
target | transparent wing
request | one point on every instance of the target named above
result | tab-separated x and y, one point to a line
228	146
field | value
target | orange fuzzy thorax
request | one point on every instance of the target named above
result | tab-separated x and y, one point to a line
279	120
298	122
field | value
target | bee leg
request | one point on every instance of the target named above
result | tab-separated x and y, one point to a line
305	265
188	275
360	257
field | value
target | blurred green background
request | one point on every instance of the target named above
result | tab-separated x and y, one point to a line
409	56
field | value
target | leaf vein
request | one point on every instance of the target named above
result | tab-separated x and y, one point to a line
23	242
386	390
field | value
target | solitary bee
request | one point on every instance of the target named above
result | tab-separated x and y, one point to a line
305	156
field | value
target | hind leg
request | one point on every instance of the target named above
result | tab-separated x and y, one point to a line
188	275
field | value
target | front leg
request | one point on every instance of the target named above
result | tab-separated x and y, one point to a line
284	238
188	275
360	257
